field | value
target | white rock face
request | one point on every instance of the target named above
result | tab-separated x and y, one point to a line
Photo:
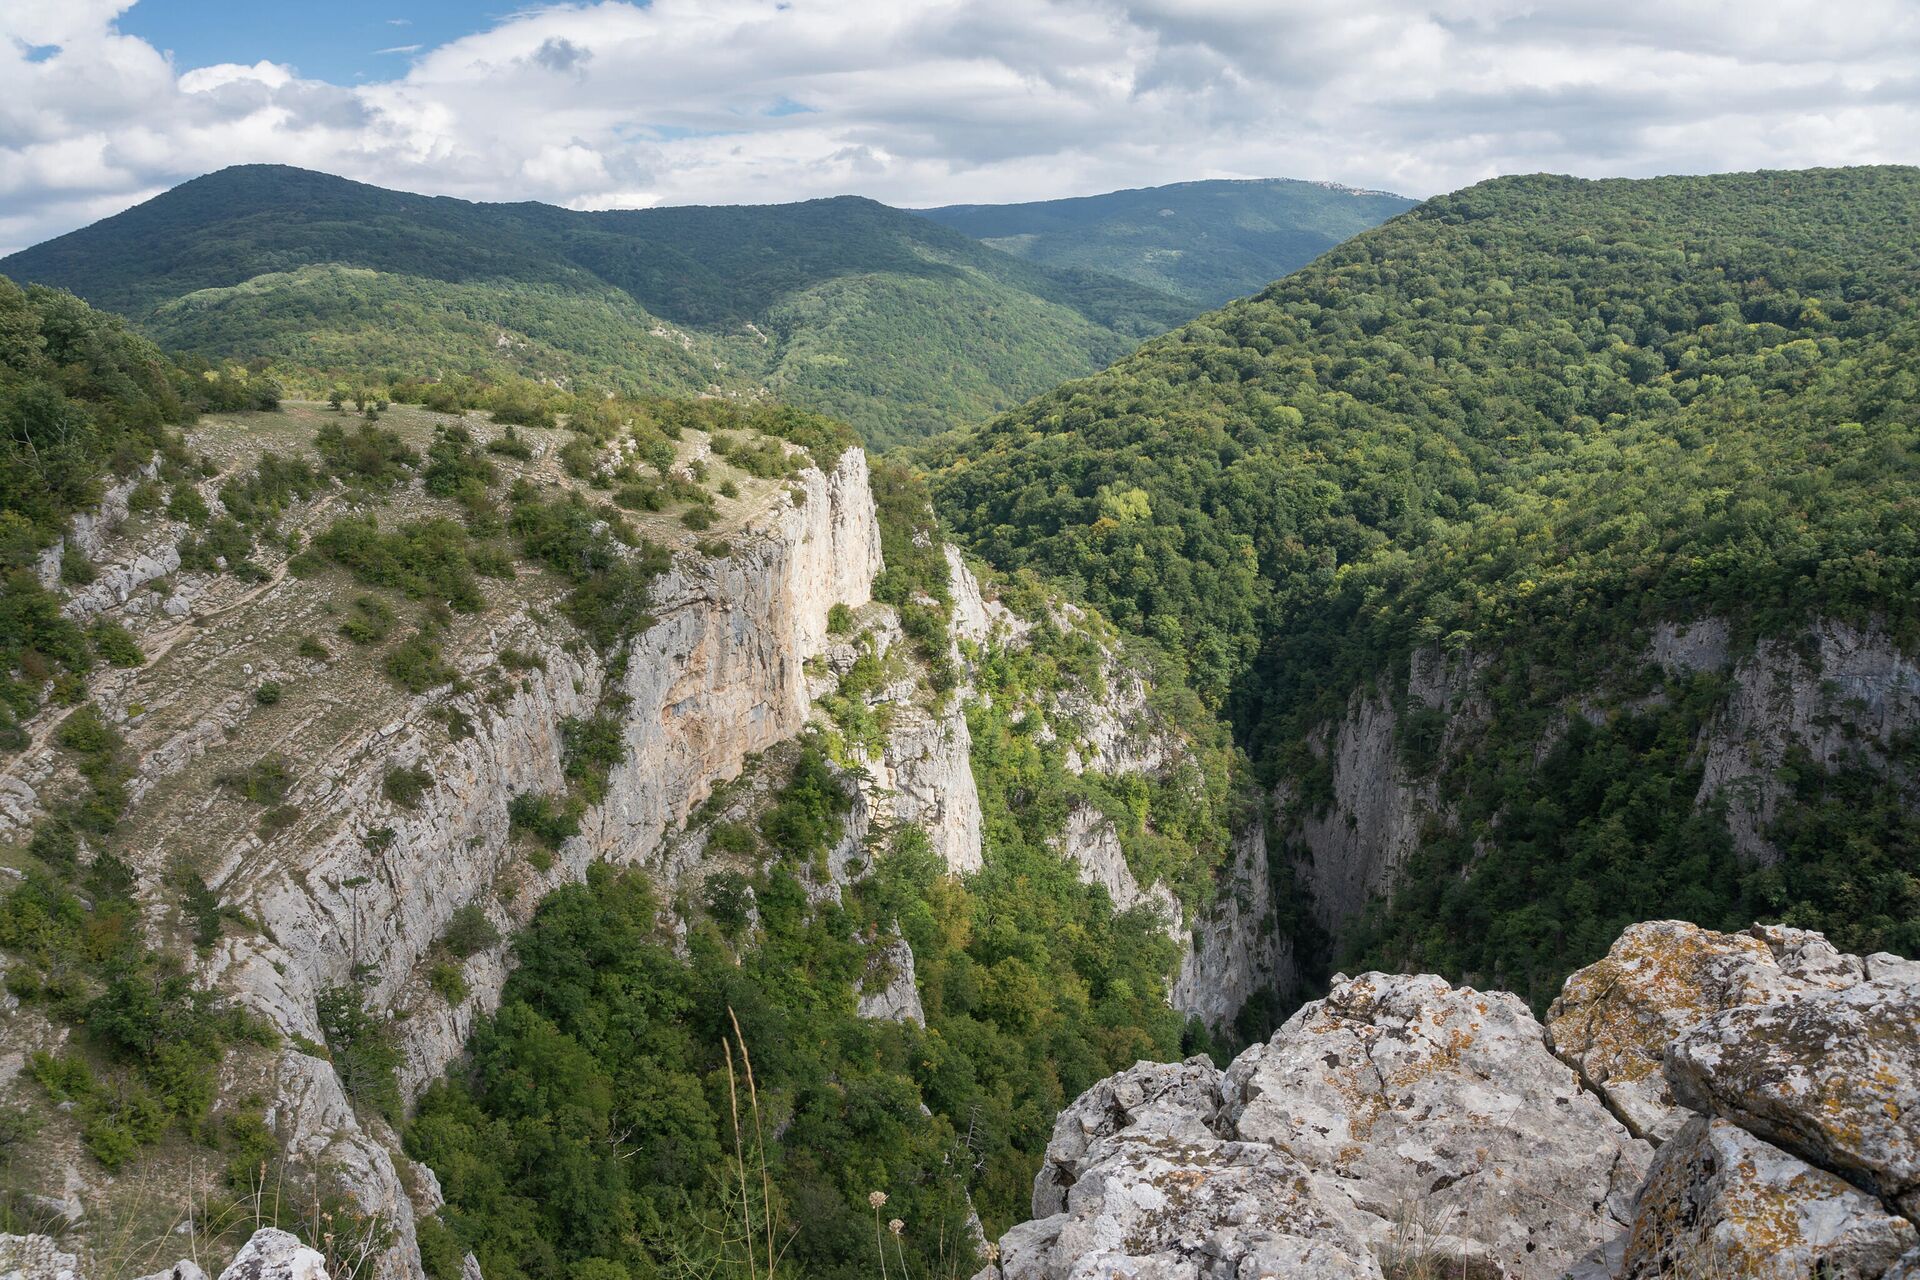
975	618
273	1254
1235	949
1856	696
1839	692
717	677
1362	840
1398	1118
35	1257
890	992
927	767
1090	840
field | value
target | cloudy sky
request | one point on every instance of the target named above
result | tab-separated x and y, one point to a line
922	102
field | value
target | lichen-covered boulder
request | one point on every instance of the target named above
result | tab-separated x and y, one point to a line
1720	1202
1174	1101
1614	1019
1399	1123
1151	1206
1441	1107
272	1254
1832	1076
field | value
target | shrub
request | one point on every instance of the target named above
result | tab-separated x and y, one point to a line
370	456
520	660
405	786
840	620
115	644
416	665
371	621
510	445
267	694
266	781
310	647
76	570
186	504
548	819
278	819
469	931
455	465
446	978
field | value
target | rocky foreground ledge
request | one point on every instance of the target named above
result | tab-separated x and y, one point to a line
1698	1104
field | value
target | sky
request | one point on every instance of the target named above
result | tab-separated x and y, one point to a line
922	102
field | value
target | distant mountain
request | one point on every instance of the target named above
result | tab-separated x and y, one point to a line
886	319
1206	242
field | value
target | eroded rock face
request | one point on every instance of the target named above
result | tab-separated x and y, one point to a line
1424	1098
1380	806
1838	693
1719	1201
1235	948
1831	1075
890	992
1399	1116
1614	1019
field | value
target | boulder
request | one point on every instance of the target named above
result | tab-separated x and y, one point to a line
1400	1122
273	1254
1151	1206
1719	1201
1440	1112
1831	1075
1614	1019
185	1269
1159	1101
35	1257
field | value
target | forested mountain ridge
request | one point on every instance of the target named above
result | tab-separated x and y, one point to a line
888	320
1499	440
1203	241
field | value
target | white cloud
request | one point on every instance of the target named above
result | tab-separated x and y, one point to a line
933	101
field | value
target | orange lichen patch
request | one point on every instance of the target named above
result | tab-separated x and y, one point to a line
1617	1016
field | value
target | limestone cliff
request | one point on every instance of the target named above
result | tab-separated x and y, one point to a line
1842	694
357	886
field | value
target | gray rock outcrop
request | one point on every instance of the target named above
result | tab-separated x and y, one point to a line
1403	1126
1398	1117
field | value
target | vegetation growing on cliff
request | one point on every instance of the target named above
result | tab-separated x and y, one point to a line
1532	417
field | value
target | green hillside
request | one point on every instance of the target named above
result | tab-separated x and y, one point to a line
896	324
1526	421
1206	242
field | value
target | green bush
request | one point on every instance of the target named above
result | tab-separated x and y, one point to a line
371	621
405	785
416	665
266	781
469	931
369	456
549	820
268	693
